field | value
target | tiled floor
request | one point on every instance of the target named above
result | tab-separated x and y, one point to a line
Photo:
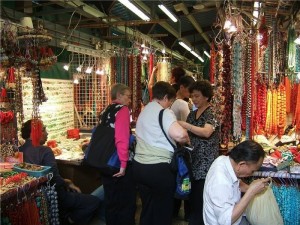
177	221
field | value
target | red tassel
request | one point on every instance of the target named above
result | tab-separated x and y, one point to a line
11	75
36	132
50	52
3	93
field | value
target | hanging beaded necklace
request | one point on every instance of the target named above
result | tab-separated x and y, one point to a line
212	68
118	69
281	109
237	88
248	88
226	92
126	78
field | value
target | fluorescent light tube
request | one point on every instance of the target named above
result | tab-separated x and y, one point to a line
207	54
185	46
200	58
135	9
195	54
168	13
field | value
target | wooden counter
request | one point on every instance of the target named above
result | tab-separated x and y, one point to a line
85	177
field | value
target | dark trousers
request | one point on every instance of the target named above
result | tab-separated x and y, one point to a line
120	199
80	208
156	184
186	207
196	202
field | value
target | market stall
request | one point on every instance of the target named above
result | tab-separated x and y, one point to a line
28	199
254	68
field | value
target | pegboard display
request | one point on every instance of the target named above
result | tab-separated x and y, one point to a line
91	96
91	89
57	112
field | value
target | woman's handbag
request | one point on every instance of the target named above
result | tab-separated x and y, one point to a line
101	152
263	209
101	149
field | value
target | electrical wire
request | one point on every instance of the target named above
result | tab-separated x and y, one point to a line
70	35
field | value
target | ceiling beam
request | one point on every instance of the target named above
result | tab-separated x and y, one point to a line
268	10
182	7
118	23
52	12
193	32
125	37
91	12
165	25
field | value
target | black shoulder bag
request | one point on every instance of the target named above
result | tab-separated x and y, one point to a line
102	147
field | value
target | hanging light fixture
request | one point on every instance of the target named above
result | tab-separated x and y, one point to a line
168	13
206	53
89	69
67	66
227	24
79	68
194	53
135	9
75	79
201	59
185	46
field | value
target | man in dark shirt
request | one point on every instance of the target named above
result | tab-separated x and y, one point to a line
74	207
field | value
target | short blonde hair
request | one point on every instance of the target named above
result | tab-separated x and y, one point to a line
118	88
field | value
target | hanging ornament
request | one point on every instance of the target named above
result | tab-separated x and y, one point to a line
36	131
263	33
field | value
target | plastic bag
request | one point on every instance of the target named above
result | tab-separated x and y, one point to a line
264	210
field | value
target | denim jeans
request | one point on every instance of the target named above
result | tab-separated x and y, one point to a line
99	193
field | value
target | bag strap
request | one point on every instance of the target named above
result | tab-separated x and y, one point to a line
112	108
161	126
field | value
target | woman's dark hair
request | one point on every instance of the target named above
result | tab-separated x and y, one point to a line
186	81
162	88
204	87
175	86
26	129
177	73
249	151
